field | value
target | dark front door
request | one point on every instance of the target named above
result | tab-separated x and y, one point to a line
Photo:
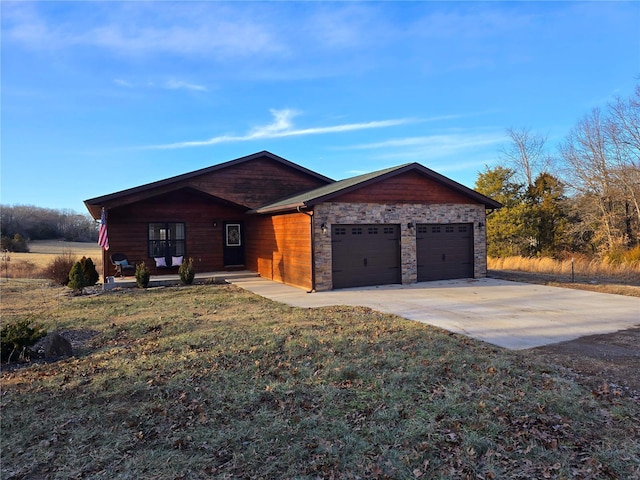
365	255
233	248
444	251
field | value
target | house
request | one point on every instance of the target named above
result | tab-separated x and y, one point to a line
263	213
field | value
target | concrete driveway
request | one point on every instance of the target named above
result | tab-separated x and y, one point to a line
508	314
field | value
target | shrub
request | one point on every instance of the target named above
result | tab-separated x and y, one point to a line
623	256
142	275
17	337
83	273
187	272
77	279
59	268
18	244
89	271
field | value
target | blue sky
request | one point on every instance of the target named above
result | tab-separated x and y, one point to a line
100	97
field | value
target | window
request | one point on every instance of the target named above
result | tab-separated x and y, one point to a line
166	240
233	235
373	230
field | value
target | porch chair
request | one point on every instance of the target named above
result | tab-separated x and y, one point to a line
121	263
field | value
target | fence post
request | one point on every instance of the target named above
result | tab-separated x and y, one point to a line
572	271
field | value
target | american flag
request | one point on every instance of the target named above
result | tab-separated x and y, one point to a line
103	239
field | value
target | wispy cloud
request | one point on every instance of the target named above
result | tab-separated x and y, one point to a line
172	84
179	85
455	141
282	126
138	28
123	83
430	146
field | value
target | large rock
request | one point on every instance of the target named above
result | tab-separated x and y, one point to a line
54	345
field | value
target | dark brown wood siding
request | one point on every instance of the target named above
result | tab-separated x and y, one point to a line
410	187
279	248
252	183
256	183
128	225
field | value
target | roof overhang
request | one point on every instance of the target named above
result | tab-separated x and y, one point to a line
96	205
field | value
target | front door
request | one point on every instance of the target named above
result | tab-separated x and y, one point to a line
233	247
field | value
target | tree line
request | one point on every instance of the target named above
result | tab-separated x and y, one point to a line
583	198
21	223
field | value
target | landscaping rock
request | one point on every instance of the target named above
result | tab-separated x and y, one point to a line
54	345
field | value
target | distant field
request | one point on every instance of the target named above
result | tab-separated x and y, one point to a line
56	247
42	252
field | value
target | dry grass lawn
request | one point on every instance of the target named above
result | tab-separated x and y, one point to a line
581	269
210	381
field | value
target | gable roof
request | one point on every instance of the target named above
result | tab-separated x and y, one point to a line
94	205
328	192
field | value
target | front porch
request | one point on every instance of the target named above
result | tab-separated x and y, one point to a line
129	281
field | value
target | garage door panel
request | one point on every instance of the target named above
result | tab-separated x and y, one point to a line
444	251
365	255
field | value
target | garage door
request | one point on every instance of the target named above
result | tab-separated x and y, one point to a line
444	251
365	255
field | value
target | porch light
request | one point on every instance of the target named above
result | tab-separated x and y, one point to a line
411	225
324	228
480	224
215	224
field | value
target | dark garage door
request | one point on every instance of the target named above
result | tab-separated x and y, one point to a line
444	251
365	255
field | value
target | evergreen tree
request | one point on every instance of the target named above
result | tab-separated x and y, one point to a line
546	216
506	228
89	271
77	280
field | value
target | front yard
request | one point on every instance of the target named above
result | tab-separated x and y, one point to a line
210	381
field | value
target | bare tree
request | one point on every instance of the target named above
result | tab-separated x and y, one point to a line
526	154
593	157
36	223
623	129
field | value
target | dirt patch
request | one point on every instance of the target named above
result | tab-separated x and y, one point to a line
609	364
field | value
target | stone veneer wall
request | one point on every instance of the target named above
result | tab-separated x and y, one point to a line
373	213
